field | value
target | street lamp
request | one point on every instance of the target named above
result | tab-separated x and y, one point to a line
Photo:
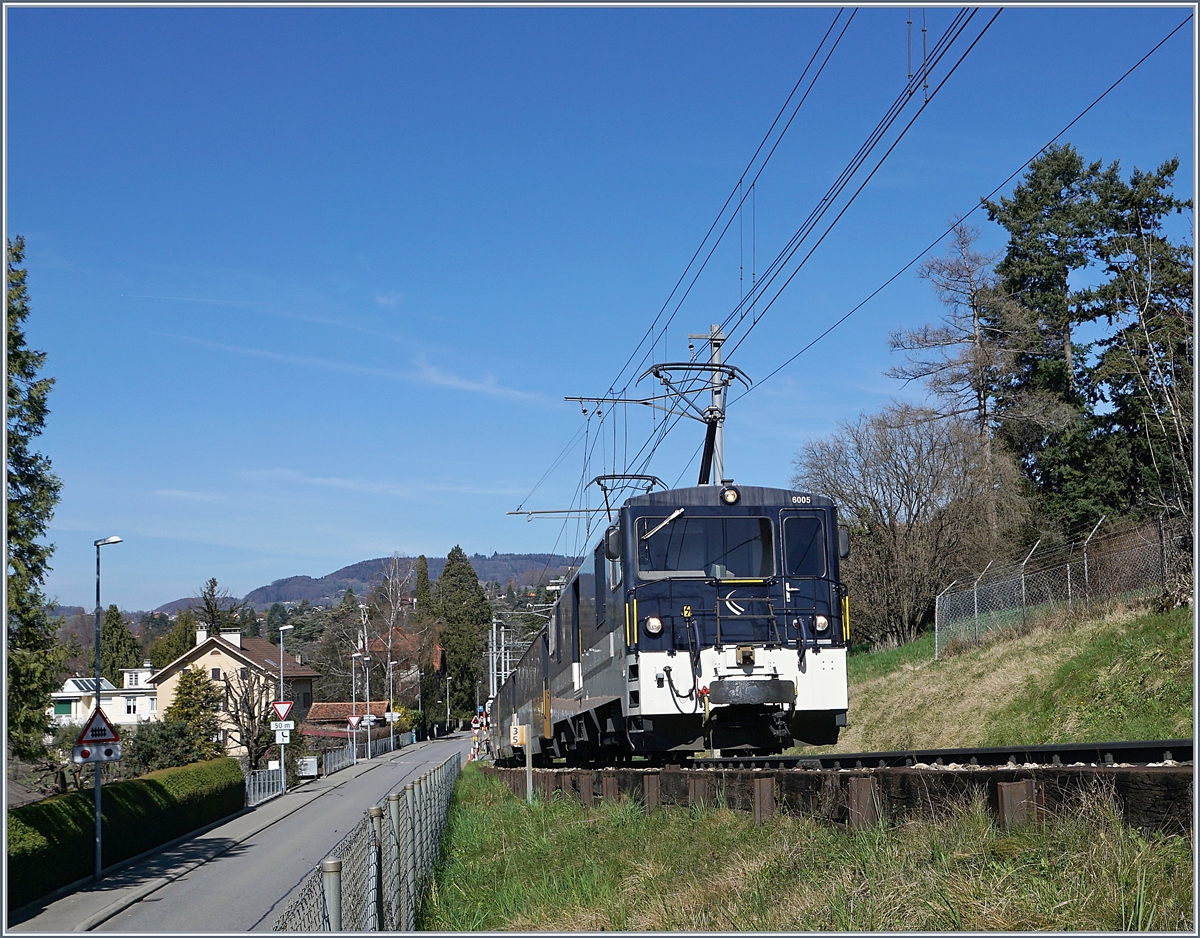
365	645
96	765
447	700
282	764
392	704
354	699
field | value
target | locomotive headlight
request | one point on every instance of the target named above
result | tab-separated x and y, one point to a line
730	495
821	623
653	625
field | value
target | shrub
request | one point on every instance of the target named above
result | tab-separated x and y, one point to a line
51	843
158	745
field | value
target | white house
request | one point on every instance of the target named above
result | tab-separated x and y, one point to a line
135	702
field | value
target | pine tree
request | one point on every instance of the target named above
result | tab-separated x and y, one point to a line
465	614
424	595
195	706
164	650
1146	368
118	646
35	659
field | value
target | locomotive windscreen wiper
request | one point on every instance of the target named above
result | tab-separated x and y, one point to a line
658	527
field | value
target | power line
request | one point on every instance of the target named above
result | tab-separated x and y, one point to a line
1078	117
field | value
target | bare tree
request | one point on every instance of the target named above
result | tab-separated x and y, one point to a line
390	615
917	489
958	357
248	713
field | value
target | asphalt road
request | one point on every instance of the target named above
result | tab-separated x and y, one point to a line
248	886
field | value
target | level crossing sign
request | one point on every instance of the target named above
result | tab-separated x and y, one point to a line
98	730
282	708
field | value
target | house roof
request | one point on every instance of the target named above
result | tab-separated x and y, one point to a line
255	652
75	686
339	711
404	644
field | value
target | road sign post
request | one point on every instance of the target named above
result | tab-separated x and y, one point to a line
97	743
282	708
352	722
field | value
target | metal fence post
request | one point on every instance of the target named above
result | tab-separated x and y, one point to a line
937	618
331	873
375	884
397	891
1162	551
410	857
977	579
1023	562
1087	582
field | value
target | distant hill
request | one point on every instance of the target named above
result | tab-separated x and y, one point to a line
526	569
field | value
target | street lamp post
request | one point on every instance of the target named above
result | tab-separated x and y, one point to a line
96	765
366	649
447	700
368	718
391	705
282	763
354	698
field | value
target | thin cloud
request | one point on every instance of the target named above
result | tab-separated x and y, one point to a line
278	313
192	496
425	373
406	489
390	300
431	375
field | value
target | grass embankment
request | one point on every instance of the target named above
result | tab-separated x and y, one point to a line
559	866
1121	677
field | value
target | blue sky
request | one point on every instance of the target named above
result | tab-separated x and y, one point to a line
313	282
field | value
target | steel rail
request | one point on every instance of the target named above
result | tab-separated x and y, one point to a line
1140	752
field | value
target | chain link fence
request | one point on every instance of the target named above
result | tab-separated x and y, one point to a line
374	877
1085	577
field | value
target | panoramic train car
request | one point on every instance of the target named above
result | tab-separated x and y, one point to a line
709	617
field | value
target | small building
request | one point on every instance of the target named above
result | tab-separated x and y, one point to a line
234	662
72	705
134	702
326	725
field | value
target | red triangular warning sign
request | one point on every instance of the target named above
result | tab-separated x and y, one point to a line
282	708
353	721
98	730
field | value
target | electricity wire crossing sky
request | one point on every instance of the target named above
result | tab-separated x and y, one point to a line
314	282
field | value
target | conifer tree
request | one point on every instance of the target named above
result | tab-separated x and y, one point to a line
195	706
164	650
35	659
424	594
465	614
118	646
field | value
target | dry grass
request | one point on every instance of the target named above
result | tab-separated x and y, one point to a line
948	702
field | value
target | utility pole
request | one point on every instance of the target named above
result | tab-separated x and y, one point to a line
716	411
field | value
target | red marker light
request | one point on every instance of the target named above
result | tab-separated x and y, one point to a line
85	753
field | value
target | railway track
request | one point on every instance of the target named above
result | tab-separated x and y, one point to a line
1143	752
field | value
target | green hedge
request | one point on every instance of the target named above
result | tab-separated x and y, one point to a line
52	842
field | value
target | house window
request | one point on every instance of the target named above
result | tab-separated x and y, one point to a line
62	708
130	705
244	674
153	704
216	674
307	700
133	679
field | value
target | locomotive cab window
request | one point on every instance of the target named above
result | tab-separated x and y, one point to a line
804	546
719	547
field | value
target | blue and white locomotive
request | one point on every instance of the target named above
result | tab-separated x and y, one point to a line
708	618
